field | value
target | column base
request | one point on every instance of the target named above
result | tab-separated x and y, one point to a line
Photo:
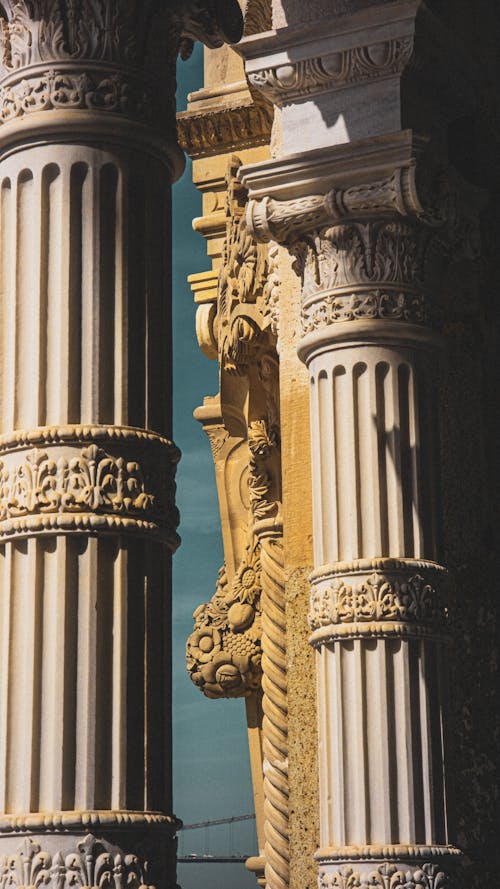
88	849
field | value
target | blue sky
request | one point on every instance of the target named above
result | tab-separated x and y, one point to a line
211	767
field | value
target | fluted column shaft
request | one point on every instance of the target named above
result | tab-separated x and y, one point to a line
87	512
369	254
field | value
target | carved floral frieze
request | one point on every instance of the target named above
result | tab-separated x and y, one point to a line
291	81
90	865
70	488
390	596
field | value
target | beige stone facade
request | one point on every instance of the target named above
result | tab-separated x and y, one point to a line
345	153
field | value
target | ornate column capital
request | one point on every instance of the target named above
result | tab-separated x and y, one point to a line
114	59
371	242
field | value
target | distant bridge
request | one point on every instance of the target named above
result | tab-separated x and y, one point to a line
205	857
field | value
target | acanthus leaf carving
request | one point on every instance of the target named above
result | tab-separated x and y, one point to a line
377	597
386	876
224	652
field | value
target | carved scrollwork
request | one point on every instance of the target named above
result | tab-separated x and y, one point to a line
294	80
386	876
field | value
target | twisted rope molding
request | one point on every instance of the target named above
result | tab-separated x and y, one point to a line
275	706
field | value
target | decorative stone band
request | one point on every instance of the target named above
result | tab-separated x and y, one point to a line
291	81
39	822
79	480
224	652
231	128
87	861
393	195
374	852
425	875
377	597
68	88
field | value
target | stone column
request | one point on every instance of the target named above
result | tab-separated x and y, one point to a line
87	512
369	253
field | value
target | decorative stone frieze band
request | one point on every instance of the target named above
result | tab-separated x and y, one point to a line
395	194
232	128
386	876
70	486
385	595
295	80
92	862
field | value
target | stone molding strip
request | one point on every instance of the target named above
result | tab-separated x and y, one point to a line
384	563
51	822
399	852
69	434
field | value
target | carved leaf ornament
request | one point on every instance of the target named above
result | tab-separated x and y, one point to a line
386	876
89	482
90	867
376	599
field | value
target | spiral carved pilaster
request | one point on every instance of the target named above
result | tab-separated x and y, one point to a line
275	706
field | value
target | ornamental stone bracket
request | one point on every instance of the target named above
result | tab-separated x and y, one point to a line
238	645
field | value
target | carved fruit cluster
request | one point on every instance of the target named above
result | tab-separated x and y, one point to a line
224	651
91	865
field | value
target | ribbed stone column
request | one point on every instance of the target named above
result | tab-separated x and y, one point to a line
369	254
87	512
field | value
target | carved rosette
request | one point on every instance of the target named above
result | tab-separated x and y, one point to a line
79	480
